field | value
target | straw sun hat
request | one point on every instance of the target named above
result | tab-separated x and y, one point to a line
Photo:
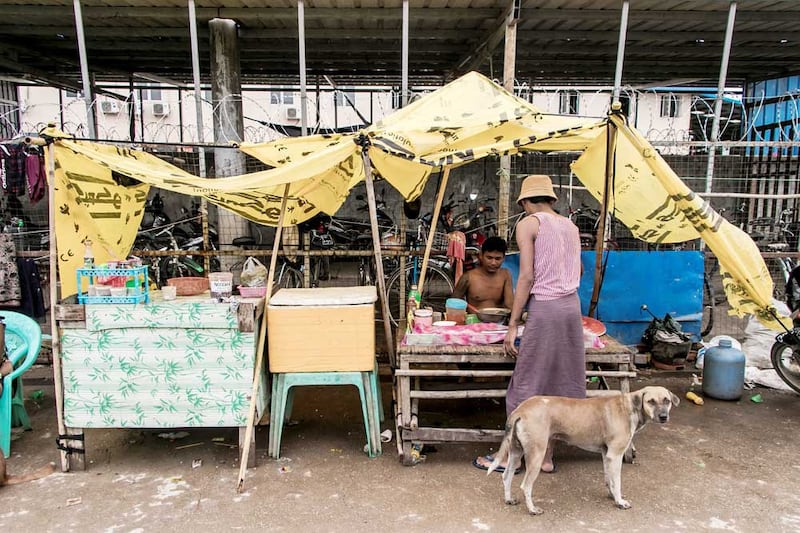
536	185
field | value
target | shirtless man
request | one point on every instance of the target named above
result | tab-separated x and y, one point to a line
489	285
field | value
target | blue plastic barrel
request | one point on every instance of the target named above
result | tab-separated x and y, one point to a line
723	371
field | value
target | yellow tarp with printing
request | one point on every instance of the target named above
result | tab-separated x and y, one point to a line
464	121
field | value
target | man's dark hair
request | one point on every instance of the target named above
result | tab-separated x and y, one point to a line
494	244
541	200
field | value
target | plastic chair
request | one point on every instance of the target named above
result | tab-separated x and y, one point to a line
282	400
23	342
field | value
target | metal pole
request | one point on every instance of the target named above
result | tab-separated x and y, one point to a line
723	74
198	109
404	60
87	87
623	33
301	30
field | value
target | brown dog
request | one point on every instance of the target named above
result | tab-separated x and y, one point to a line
13	480
604	424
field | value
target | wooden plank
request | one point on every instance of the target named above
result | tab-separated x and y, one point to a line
72	312
455	373
457	394
429	434
72	325
610	373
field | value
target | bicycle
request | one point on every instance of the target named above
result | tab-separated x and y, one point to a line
785	357
438	285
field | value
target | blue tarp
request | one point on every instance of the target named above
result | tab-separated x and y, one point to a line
666	281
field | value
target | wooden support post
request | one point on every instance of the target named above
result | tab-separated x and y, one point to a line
56	349
509	73
432	231
608	188
248	434
376	244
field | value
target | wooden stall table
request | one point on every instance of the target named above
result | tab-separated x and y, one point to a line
183	363
419	364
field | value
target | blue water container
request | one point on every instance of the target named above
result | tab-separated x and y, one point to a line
723	371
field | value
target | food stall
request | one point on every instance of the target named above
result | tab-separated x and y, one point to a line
182	363
448	372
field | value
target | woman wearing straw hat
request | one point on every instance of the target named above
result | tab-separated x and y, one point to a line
551	355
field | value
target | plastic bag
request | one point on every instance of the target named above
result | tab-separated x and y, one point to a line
254	273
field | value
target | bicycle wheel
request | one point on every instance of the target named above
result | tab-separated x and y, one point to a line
707	322
289	278
786	363
438	288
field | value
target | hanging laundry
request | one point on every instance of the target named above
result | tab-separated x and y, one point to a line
14	167
36	177
10	293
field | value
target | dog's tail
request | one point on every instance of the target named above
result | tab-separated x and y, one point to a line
36	474
508	441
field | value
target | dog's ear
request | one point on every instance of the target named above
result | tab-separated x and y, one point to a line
675	400
637	400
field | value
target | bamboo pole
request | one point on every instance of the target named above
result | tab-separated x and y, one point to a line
432	230
600	245
376	244
262	335
56	339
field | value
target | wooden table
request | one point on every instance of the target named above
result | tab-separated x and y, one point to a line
419	366
165	364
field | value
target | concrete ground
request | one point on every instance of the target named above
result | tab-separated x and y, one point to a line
731	466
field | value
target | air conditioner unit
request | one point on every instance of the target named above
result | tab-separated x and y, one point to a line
292	113
160	109
109	107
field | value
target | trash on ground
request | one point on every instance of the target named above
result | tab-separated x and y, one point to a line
386	436
174	435
189	445
73	501
218	439
197	463
756	398
36	395
285	469
336	450
694	398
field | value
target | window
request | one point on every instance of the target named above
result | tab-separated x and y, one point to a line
670	106
342	97
288	98
274	98
73	94
568	103
278	97
151	94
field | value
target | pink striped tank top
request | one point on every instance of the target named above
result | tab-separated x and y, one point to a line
557	258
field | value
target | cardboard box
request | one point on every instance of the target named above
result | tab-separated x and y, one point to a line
329	329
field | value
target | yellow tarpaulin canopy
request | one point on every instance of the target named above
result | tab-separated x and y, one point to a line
463	121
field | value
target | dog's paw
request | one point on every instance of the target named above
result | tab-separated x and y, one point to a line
535	510
512	501
623	504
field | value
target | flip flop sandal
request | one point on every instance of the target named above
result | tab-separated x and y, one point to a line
490	459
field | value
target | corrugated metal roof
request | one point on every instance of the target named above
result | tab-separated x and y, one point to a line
359	40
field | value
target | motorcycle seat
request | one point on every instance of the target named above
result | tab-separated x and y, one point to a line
244	241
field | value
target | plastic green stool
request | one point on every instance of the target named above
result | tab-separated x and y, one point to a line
282	400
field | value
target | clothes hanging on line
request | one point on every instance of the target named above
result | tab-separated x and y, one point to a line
10	292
